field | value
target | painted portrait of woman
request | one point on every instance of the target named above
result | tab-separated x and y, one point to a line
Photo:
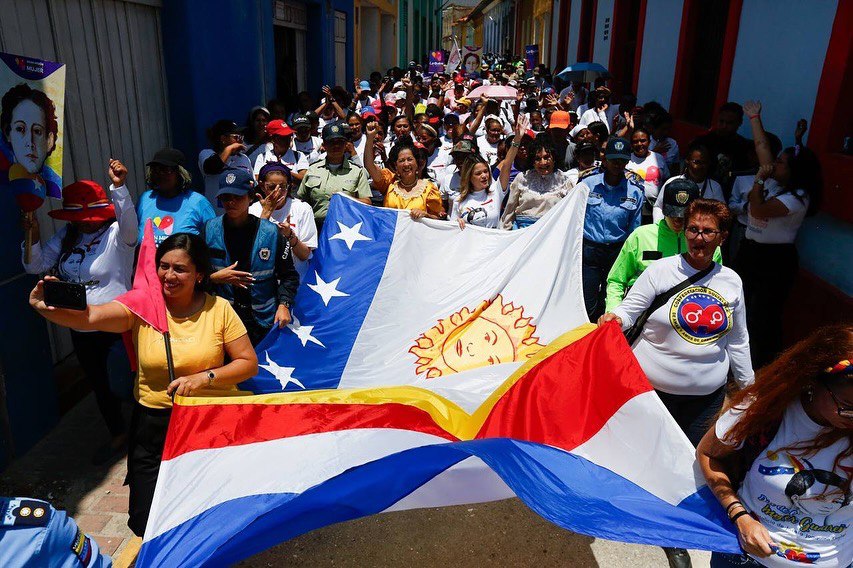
30	128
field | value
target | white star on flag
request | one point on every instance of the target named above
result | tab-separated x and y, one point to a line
327	290
349	234
303	332
283	375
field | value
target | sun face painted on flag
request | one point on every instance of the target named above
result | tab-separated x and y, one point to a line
492	334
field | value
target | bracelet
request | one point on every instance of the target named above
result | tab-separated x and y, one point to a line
732	504
751	116
515	144
736	516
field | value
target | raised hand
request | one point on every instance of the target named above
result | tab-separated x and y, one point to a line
752	108
117	172
521	126
272	201
800	130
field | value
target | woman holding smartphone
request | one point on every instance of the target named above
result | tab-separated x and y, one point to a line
95	249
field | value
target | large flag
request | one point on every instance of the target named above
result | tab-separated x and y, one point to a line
454	60
577	433
388	301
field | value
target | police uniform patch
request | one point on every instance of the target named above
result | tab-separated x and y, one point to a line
700	315
264	253
619	146
229	178
681	197
29	512
588	172
81	546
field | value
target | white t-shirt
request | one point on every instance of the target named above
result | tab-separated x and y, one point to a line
296	162
689	343
102	261
449	186
487	150
481	208
779	230
311	148
300	217
807	515
653	170
437	164
709	189
740	197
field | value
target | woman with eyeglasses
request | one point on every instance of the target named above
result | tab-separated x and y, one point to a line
780	458
693	320
227	152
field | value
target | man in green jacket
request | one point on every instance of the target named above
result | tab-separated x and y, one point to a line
651	242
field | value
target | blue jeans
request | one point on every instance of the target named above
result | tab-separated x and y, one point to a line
724	560
598	258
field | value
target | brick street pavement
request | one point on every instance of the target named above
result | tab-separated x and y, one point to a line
499	534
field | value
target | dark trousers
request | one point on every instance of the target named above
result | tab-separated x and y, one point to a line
93	349
768	273
723	560
694	414
598	258
148	428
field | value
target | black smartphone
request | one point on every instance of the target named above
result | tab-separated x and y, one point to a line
67	295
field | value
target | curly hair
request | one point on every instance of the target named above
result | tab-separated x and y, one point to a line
783	381
23	92
543	143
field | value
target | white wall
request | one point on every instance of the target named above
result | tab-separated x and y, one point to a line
601	47
574	31
660	49
369	25
780	53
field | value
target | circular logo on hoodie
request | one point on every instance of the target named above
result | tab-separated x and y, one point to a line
700	315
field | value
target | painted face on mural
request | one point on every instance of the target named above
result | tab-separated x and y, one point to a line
28	136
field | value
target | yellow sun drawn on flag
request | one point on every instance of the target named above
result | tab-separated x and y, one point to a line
492	334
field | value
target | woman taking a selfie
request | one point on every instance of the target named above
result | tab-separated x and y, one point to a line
204	329
780	459
94	249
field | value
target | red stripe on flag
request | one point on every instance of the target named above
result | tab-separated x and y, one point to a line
220	425
567	398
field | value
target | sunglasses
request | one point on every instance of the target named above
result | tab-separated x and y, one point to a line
845	412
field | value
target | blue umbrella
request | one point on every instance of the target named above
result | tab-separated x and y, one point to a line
584	72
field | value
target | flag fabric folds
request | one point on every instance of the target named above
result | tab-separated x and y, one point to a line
145	298
576	432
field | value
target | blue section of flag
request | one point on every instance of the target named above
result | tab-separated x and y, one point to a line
336	324
564	488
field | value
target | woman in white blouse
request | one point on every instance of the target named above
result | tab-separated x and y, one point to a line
95	249
785	190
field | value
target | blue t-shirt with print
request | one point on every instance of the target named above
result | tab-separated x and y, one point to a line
187	212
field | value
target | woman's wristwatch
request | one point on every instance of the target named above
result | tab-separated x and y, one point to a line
210	376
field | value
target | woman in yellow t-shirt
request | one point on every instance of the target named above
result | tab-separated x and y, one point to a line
203	329
407	186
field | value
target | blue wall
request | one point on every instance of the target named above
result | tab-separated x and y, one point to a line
25	358
220	61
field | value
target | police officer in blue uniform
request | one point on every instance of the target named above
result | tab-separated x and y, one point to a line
33	533
252	261
613	210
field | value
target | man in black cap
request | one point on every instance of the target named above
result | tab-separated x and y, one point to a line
227	151
333	174
304	140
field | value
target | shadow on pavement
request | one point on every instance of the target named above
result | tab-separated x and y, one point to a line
504	533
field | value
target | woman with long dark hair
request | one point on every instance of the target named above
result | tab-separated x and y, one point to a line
786	188
780	458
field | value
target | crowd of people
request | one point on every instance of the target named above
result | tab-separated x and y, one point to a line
691	252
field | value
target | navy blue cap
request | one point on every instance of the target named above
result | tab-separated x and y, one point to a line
617	149
334	131
301	120
235	182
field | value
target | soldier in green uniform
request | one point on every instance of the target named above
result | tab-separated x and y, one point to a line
333	174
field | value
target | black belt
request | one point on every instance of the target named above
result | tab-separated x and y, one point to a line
604	245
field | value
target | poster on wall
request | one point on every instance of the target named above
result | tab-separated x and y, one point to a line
471	56
31	112
531	56
436	62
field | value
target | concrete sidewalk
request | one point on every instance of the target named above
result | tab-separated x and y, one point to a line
505	533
